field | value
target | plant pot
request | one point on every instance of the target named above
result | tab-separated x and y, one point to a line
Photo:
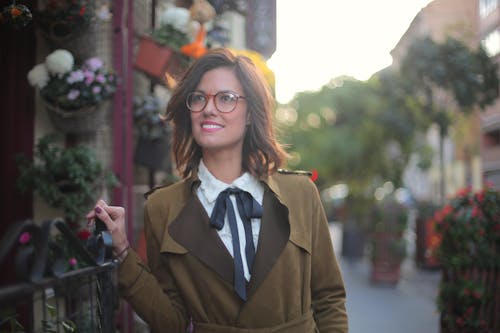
156	60
84	120
386	261
353	241
151	153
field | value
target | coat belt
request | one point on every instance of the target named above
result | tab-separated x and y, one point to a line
303	324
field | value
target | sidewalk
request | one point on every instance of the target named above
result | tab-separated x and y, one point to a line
409	307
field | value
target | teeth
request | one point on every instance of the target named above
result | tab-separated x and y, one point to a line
210	126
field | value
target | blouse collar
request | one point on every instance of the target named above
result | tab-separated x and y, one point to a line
211	186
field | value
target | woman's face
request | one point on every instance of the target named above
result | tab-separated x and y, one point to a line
215	131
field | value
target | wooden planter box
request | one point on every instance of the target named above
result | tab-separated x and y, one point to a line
385	263
157	61
488	312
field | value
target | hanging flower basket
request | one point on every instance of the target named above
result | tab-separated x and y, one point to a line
84	120
75	97
151	153
157	61
63	20
81	43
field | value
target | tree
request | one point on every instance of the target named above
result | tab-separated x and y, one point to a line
447	76
353	132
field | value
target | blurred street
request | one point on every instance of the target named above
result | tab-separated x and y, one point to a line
409	307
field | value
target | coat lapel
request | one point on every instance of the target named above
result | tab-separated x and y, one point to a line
192	230
274	235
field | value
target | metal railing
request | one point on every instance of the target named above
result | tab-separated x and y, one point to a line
47	295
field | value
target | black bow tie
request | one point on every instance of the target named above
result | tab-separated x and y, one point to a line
248	208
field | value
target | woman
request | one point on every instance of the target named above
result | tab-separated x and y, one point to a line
236	246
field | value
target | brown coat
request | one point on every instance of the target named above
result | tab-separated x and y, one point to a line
296	285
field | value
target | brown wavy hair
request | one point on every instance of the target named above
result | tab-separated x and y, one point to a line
262	153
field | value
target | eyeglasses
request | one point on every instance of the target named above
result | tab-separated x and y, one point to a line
225	101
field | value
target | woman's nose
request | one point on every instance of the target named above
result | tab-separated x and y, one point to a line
210	108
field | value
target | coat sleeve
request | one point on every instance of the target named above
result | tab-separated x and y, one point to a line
150	289
327	286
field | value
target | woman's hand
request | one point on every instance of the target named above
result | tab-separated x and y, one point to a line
114	218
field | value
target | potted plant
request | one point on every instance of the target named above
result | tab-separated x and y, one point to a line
63	20
469	254
388	243
16	15
152	132
158	54
70	178
73	95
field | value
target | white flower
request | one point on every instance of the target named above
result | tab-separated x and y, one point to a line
59	62
178	17
38	76
103	13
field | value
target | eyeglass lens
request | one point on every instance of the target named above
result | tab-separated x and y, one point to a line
224	101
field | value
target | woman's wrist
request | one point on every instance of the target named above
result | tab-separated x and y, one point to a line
122	252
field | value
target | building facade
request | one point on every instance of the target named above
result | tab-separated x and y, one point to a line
489	36
463	152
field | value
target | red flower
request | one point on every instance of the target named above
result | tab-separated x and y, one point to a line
314	175
463	192
476	211
84	234
480	196
15	12
447	210
82	11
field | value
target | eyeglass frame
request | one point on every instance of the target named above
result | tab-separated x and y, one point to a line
207	99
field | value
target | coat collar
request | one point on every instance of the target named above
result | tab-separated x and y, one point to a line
191	232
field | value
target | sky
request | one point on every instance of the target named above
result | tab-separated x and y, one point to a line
318	40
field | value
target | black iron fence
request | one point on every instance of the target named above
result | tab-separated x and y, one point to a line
60	283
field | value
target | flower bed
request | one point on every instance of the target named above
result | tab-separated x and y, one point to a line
469	230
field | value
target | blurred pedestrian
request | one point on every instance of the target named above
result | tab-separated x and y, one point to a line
238	245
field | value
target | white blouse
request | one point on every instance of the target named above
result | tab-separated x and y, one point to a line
208	191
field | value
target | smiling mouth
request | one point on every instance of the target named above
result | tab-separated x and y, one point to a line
211	126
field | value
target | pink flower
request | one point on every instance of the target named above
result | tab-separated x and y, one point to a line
89	77
94	63
96	90
73	94
25	238
72	261
100	78
75	76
